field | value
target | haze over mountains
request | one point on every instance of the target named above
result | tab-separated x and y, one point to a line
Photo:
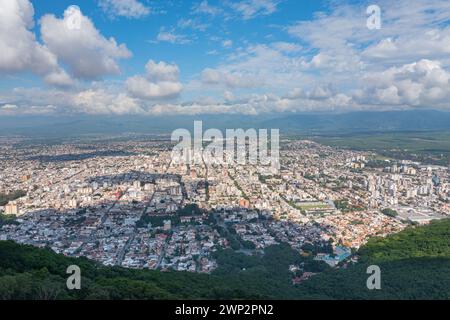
302	123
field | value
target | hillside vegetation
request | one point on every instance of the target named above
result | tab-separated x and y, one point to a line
415	264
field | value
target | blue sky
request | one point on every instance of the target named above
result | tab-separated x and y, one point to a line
140	34
222	56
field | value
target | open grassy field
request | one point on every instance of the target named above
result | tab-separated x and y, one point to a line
426	147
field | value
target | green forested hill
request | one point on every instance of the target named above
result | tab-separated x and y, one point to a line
415	264
430	241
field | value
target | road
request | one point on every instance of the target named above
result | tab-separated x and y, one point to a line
126	247
102	221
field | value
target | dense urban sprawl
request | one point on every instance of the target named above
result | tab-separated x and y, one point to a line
126	203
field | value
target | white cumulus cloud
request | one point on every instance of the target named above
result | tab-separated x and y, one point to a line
422	84
101	101
161	81
20	51
86	52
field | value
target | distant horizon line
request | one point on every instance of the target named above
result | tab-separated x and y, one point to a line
265	114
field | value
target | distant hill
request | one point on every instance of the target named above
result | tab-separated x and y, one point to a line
360	122
415	264
352	122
